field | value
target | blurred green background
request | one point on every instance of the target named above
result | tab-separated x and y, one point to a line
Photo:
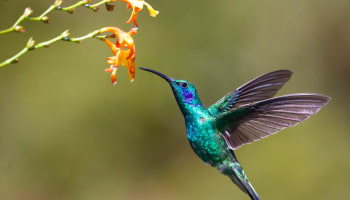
67	133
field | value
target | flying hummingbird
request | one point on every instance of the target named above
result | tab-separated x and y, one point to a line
242	116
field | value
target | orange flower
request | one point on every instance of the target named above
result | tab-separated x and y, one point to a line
136	6
123	51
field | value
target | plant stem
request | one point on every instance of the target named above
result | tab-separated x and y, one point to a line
51	8
56	6
63	36
14	58
100	3
79	39
49	42
15	25
71	8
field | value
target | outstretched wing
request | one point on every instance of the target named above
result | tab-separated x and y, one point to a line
253	122
260	88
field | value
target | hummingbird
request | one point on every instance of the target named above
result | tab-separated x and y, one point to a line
242	116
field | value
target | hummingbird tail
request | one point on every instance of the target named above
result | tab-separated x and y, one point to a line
238	177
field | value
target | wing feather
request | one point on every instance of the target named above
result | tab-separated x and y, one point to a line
255	121
260	88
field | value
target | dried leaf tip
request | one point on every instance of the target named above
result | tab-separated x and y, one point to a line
110	7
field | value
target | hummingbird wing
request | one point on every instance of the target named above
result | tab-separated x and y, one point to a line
252	122
260	88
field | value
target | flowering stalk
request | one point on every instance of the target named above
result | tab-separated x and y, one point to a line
16	27
123	49
63	36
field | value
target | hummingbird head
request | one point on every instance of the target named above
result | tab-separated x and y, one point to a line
184	91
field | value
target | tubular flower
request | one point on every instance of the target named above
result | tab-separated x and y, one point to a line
123	51
136	6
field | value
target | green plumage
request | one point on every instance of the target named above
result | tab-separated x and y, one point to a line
240	117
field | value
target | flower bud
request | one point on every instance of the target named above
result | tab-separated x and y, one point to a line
65	34
20	28
58	3
45	19
28	11
30	43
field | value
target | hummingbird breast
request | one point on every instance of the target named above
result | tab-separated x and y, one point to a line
206	141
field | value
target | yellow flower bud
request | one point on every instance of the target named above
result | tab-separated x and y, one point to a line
30	43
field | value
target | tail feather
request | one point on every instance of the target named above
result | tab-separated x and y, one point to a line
240	179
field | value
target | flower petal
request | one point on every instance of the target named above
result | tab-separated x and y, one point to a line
123	51
151	11
114	76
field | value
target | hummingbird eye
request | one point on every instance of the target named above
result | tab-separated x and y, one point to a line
183	85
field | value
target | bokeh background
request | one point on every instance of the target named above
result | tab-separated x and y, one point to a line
67	133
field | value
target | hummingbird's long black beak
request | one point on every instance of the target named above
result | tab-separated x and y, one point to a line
167	78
